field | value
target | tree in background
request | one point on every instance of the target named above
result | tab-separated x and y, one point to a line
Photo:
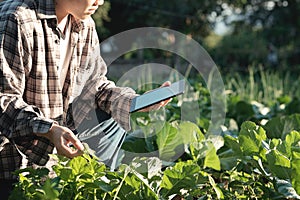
275	24
257	25
100	17
188	16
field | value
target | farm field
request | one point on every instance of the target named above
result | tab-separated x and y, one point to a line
256	154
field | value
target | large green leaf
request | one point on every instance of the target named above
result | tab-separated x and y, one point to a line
66	173
233	144
295	175
184	175
211	159
206	153
278	165
135	186
169	142
293	138
79	165
190	132
49	191
148	166
251	138
279	127
228	160
248	145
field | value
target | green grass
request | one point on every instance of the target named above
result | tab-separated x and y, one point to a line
264	86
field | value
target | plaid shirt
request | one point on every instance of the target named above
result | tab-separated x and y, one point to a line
31	97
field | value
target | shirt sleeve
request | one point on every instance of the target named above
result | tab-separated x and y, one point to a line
115	101
101	92
104	94
17	118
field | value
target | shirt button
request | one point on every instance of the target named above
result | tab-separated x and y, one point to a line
56	41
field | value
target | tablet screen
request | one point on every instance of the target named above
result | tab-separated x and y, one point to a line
157	95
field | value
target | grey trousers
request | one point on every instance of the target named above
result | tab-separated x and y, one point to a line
103	135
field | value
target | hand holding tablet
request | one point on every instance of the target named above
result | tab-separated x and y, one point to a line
157	95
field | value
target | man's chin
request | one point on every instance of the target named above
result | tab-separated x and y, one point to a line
82	18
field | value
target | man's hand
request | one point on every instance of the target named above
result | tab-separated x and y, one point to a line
160	104
66	143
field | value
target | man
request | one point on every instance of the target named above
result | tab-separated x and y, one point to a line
49	58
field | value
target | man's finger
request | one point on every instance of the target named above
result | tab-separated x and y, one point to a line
167	83
71	138
69	146
66	150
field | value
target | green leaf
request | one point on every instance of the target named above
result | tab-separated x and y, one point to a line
98	184
169	142
274	157
134	186
49	190
279	127
184	175
233	144
216	188
248	145
216	140
145	189
150	166
228	160
66	174
190	132
278	164
211	159
295	175
275	143
79	165
292	138
251	137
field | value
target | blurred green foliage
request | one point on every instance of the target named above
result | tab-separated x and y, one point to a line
257	28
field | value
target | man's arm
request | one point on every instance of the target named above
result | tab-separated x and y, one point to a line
64	139
97	90
17	117
100	92
18	120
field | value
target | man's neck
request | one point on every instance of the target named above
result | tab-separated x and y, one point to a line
63	23
61	13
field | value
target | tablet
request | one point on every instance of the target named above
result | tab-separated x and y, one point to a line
157	95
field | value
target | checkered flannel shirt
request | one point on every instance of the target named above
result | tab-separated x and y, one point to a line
31	97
